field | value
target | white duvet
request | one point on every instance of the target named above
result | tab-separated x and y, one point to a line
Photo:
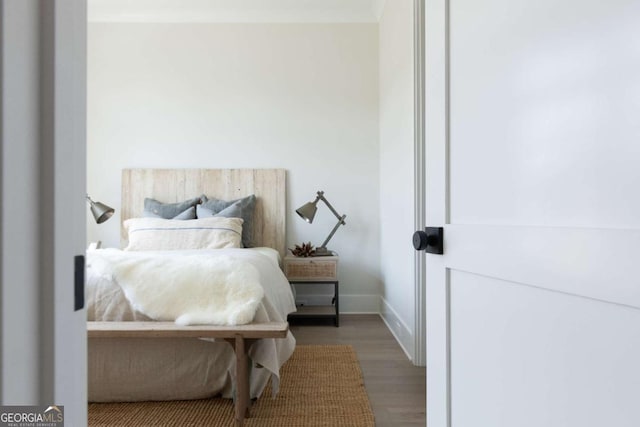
172	369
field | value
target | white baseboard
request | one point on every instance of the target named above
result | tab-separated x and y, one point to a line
398	328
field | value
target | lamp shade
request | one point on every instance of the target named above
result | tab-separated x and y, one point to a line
100	211
308	211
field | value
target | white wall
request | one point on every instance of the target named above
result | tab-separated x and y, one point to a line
396	169
303	97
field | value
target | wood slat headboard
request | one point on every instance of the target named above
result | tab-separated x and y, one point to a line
175	185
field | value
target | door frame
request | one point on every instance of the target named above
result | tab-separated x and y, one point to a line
420	325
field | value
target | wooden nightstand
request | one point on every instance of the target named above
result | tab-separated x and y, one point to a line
314	271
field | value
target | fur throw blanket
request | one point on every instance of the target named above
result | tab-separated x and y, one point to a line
188	288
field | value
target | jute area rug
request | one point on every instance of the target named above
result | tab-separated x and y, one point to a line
321	385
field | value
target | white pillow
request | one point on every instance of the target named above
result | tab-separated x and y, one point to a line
155	234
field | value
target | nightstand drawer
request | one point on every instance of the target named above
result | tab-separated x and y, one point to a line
312	268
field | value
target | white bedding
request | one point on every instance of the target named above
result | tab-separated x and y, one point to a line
167	369
194	288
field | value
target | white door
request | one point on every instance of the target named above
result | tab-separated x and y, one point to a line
42	160
533	154
67	22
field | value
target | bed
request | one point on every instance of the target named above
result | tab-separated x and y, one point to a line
187	368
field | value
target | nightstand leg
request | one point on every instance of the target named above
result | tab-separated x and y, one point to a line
337	305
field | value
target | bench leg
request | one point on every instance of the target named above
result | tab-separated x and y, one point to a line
242	403
242	380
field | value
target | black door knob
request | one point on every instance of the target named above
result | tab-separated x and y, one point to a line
429	240
420	240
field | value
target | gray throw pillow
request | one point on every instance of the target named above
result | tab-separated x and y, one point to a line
190	213
169	210
239	208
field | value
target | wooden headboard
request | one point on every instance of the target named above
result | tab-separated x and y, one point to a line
175	185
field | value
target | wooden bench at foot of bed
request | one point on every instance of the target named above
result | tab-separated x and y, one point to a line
240	337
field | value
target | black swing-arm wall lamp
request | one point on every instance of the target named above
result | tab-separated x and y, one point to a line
308	212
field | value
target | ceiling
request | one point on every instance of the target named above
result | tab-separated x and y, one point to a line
339	11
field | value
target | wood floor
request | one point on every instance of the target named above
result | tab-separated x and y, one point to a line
395	387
